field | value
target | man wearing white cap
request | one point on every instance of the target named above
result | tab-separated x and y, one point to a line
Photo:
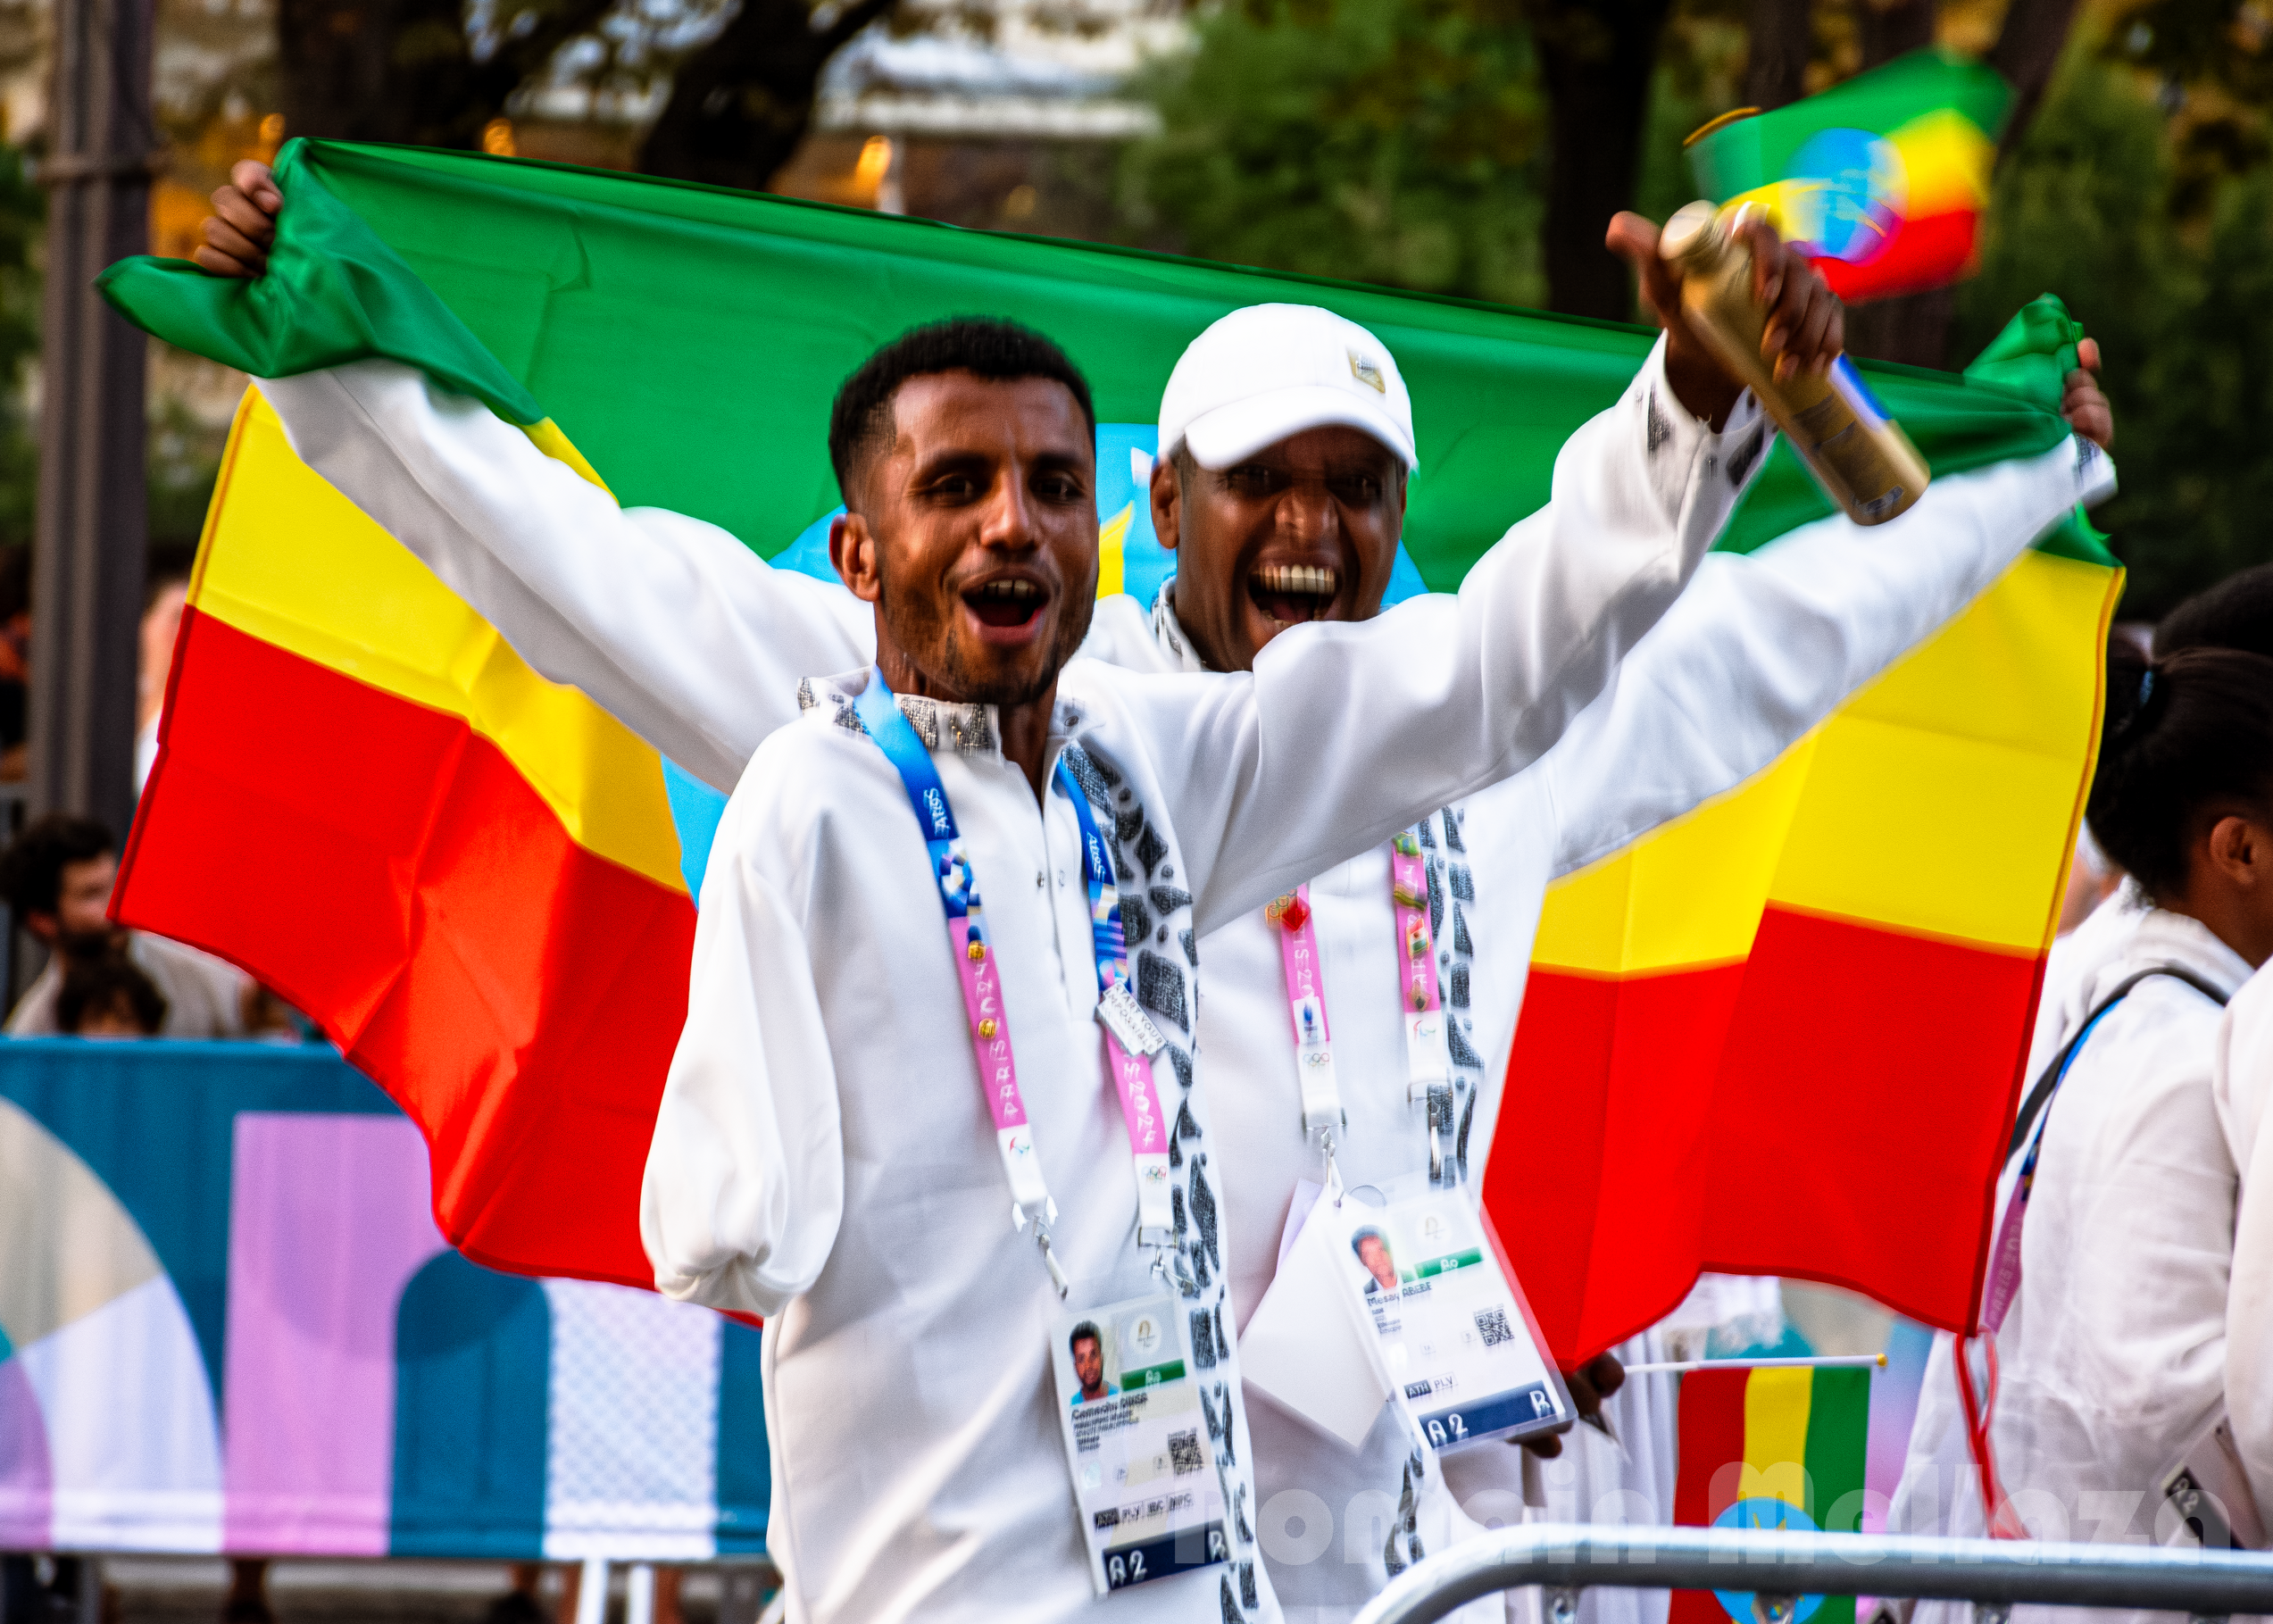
1273	528
1286	441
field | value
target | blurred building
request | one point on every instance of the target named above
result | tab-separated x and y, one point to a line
988	112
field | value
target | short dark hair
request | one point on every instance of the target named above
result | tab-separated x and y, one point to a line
1086	1331
31	870
1357	1241
2180	734
91	989
860	422
2237	612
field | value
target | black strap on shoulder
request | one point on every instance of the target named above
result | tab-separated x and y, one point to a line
2050	1078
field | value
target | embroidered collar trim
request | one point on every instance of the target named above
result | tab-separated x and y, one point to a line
1169	632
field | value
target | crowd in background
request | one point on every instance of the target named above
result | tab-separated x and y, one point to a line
102	979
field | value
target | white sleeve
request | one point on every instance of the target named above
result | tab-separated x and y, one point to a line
2242	1085
1762	647
1345	733
744	1185
670	624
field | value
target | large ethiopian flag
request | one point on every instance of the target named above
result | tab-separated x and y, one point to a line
475	879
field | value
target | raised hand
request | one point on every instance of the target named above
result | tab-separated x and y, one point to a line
2084	407
1806	328
242	227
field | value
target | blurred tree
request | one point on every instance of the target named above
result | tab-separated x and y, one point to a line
1393	141
414	70
1596	60
2100	205
740	105
21	208
440	72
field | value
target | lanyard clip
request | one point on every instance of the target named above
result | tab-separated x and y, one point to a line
1442	1168
1050	1257
1323	1136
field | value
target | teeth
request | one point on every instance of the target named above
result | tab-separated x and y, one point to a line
1311	580
1011	590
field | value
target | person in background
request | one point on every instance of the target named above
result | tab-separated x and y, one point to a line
109	997
2119	1202
2237	612
57	879
161	625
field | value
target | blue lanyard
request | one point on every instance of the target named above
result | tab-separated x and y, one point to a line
2036	1142
958	886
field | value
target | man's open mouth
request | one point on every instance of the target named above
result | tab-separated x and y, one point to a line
1292	593
1006	601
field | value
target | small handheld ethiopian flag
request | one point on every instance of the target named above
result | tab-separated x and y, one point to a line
1883	179
1767	1448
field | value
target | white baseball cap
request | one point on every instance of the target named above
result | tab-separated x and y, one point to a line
1272	371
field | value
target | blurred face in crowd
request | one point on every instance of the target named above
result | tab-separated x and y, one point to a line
78	925
1304	529
115	1019
977	537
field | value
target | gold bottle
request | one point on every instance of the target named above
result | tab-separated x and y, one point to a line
1858	454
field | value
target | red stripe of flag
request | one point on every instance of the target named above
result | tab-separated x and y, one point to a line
387	869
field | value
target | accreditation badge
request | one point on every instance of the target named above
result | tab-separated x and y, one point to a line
1457	1340
1137	1438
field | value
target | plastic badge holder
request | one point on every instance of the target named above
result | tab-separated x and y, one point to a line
1451	1333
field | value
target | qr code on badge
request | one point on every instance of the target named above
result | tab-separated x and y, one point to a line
1491	1324
1184	1452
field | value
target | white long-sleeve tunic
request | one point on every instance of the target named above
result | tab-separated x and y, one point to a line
823	1155
681	630
2242	1085
2113	1357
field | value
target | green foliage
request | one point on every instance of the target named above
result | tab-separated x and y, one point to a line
20	210
2096	207
1700	76
1391	141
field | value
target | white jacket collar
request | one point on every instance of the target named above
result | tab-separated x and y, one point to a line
1170	631
2163	937
967	729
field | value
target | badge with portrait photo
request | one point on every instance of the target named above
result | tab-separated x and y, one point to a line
1459	1340
1144	1484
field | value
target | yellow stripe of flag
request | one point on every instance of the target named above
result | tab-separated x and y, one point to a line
1941	773
291	562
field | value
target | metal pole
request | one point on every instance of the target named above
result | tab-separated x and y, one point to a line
1570	1556
92	525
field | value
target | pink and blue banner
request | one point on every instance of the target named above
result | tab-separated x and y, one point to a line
229	1323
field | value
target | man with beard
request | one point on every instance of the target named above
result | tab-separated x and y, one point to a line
817	1158
57	878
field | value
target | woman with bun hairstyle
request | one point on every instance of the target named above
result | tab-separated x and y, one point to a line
2108	1276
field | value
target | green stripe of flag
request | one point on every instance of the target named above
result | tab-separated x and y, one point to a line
690	339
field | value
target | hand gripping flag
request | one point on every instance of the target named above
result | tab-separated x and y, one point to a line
485	905
1883	179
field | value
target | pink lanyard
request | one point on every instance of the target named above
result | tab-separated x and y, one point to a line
1130	1036
1427	1065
